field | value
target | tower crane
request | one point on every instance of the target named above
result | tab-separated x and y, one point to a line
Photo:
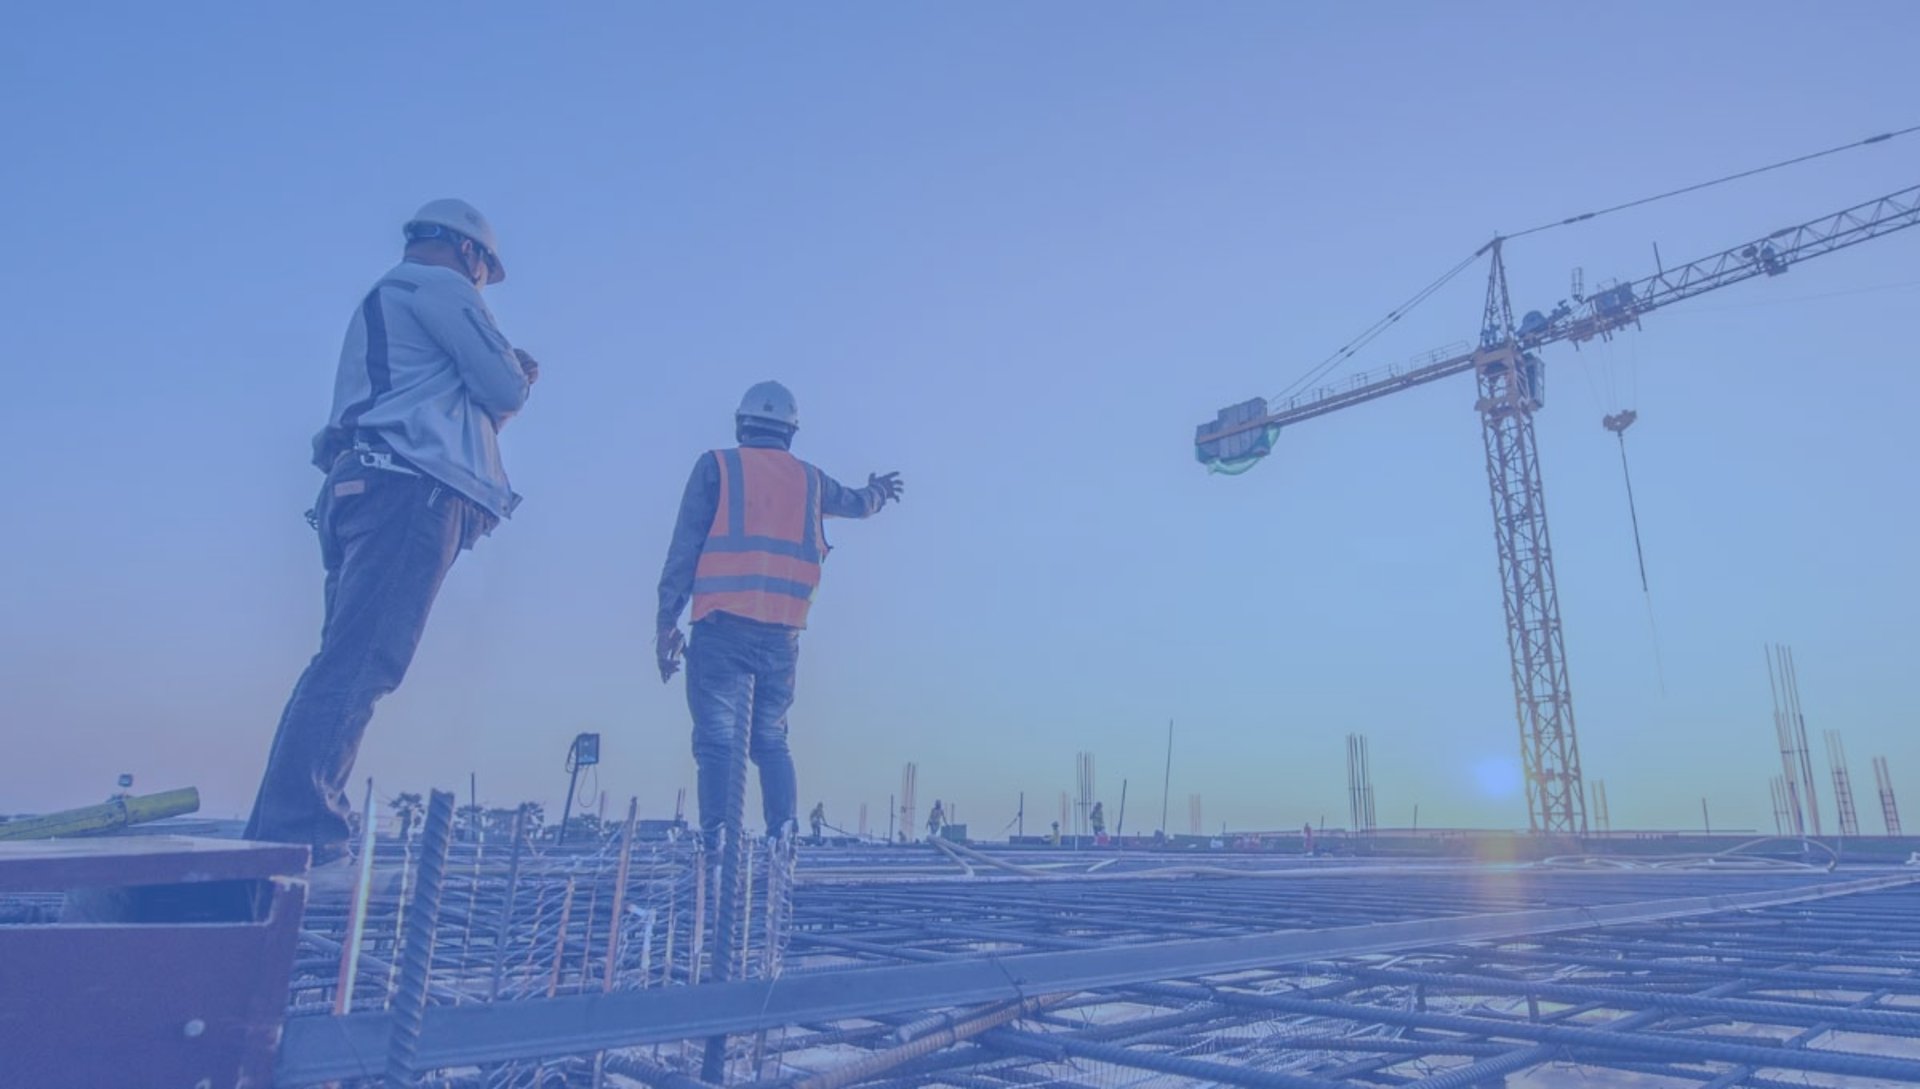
1510	376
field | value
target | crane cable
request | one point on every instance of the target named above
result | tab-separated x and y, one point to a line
1367	335
1633	514
1618	424
1646	594
1697	186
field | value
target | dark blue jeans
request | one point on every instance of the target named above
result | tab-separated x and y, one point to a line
387	541
740	677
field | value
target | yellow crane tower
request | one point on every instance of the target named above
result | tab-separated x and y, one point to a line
1509	375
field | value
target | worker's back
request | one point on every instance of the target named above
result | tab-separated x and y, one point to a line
761	560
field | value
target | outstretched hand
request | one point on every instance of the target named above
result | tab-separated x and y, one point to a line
890	485
667	647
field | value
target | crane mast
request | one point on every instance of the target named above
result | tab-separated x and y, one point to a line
1510	393
1510	381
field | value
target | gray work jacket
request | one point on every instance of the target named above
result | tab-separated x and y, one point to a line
424	366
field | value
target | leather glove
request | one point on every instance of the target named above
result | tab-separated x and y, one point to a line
890	485
529	365
667	647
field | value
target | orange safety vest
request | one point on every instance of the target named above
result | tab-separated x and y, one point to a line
762	557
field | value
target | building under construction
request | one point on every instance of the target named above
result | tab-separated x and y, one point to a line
632	956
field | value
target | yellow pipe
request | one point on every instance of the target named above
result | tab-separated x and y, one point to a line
105	817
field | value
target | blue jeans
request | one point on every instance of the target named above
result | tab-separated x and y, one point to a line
740	677
387	541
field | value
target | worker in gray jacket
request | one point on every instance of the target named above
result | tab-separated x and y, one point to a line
413	476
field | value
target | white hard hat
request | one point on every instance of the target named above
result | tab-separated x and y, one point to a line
772	402
463	219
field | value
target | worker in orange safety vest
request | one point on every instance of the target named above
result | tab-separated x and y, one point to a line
746	554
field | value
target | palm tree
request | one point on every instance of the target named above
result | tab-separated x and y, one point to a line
408	811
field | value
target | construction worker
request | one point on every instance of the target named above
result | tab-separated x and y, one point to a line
936	819
818	818
746	553
413	477
1053	837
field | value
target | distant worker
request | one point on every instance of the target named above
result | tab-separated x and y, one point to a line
412	457
1053	837
818	818
746	552
937	819
1306	831
1098	820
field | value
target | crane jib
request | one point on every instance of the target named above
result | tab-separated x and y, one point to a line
1247	429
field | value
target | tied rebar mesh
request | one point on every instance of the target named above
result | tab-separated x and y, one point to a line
453	923
1802	993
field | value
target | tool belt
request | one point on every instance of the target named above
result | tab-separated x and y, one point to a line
372	451
371	447
375	453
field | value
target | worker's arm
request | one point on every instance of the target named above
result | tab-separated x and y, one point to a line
839	501
698	505
453	315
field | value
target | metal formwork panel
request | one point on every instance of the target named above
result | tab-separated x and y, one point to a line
168	964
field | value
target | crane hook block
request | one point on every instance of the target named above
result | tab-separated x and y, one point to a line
1619	421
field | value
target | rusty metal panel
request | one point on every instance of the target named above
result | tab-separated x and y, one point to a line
61	864
180	981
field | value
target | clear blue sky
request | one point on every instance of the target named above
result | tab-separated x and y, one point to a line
1016	252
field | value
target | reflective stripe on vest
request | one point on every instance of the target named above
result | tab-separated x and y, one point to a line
762	557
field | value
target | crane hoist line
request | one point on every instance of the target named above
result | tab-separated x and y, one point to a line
1510	378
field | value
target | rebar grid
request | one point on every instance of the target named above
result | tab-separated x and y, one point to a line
522	921
1818	993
